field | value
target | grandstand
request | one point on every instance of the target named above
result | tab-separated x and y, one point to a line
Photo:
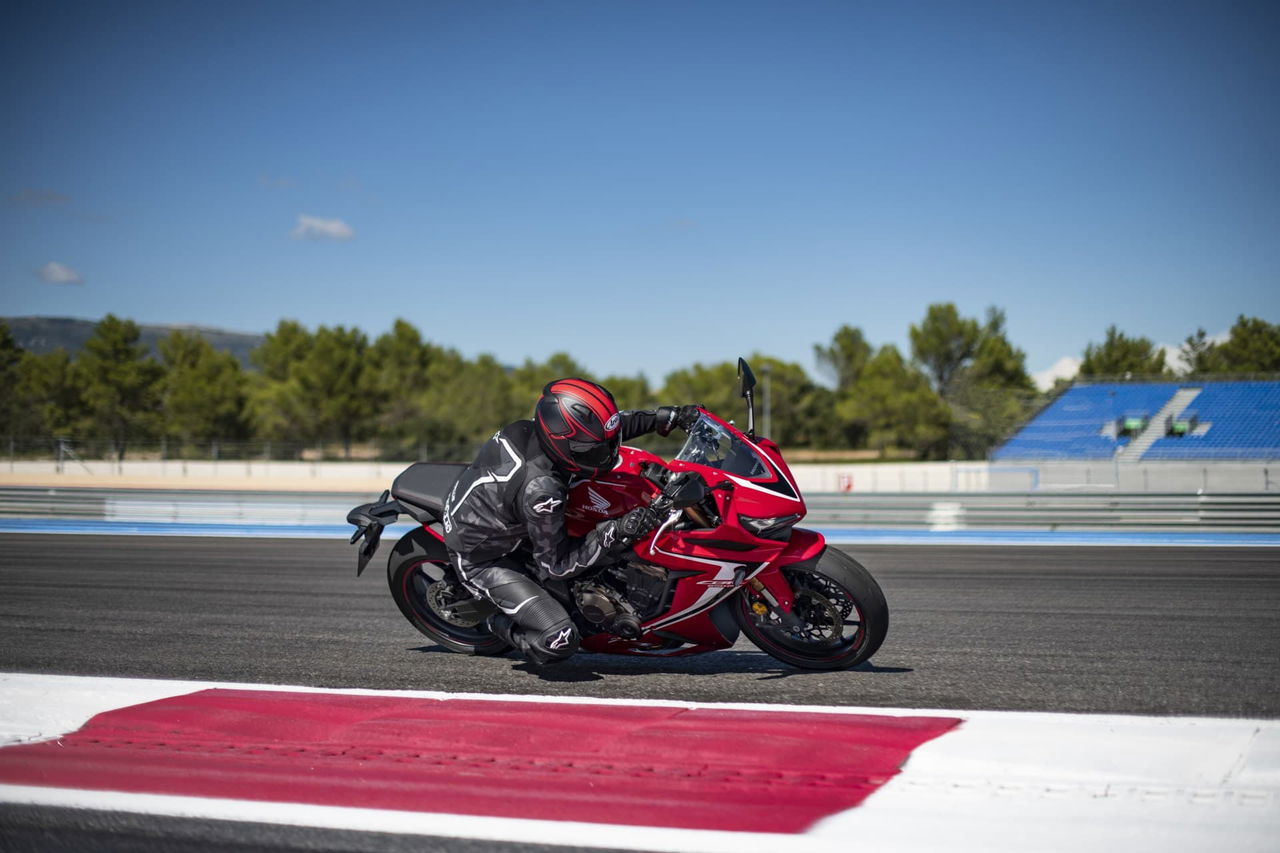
1153	421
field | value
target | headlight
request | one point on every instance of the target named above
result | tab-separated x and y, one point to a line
778	527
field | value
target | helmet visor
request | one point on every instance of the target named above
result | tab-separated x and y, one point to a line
595	454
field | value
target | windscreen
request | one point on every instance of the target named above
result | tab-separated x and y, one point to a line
712	445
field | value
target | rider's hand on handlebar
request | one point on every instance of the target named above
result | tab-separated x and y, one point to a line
638	522
670	417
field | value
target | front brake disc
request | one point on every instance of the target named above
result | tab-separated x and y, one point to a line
821	618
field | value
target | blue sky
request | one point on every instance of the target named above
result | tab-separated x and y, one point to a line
645	184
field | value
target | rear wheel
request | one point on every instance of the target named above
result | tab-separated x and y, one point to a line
843	617
430	596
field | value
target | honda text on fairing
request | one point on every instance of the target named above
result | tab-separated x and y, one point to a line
727	558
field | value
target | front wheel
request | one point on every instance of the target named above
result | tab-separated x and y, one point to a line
842	612
427	591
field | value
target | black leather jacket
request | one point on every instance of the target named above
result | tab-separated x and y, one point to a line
512	497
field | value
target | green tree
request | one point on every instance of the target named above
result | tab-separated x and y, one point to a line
203	390
895	406
1200	354
281	349
49	394
332	398
944	342
10	359
528	380
991	395
845	357
800	411
121	384
474	399
400	368
714	386
1120	355
1252	347
631	392
997	363
276	407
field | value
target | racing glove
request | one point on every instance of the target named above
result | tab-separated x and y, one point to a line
623	532
670	417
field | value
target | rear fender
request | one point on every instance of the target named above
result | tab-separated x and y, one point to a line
421	542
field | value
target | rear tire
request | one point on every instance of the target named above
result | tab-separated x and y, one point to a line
424	584
843	609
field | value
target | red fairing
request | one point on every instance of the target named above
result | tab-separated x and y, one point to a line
804	545
709	553
611	494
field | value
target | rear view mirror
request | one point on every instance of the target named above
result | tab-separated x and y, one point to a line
746	379
746	382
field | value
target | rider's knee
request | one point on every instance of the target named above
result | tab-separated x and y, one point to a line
556	643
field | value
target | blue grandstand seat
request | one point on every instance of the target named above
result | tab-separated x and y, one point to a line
1072	427
1243	422
1237	420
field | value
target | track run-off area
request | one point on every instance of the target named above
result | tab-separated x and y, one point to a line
1039	697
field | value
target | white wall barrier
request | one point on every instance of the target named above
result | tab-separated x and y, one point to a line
833	478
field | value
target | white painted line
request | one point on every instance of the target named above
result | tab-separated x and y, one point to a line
419	823
1003	781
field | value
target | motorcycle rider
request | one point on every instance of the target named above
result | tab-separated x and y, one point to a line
508	505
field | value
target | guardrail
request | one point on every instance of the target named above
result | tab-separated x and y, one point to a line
1052	511
1239	512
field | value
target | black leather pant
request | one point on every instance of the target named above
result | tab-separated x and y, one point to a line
542	631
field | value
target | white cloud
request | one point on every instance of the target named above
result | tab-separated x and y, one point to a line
315	228
56	273
1064	368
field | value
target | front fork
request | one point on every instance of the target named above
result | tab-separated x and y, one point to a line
772	595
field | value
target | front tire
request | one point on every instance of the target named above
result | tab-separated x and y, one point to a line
426	588
841	607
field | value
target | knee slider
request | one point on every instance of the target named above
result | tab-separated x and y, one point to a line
558	642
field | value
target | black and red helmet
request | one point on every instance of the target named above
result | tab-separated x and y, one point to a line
578	426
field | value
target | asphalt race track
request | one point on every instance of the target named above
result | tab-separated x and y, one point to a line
1177	631
1183	631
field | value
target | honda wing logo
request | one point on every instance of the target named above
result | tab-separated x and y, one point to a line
599	503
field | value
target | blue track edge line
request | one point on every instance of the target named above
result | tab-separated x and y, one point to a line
859	536
162	528
834	535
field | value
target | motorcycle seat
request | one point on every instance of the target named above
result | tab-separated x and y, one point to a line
426	484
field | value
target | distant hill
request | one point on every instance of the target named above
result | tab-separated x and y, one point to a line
46	334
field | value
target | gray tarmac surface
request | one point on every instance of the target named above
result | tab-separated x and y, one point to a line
1183	631
1188	631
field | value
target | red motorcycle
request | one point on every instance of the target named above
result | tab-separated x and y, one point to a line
728	558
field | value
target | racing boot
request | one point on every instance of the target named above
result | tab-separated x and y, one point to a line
500	625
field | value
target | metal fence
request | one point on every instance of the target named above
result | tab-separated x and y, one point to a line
1028	511
70	452
1052	511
